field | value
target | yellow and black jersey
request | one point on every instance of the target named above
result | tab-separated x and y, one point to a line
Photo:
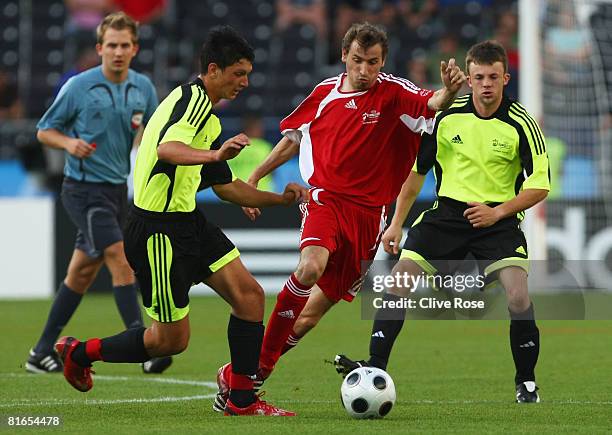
486	160
186	116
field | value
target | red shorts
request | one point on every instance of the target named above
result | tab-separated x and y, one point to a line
350	232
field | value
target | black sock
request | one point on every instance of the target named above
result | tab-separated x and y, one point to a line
525	344
242	398
126	347
126	298
245	340
388	323
65	304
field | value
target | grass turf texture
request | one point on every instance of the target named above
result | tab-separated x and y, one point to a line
451	376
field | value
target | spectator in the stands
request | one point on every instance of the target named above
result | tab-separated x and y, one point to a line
448	46
250	157
87	58
85	15
347	12
506	33
143	11
291	12
10	104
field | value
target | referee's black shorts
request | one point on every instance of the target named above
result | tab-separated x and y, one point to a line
98	210
170	252
441	237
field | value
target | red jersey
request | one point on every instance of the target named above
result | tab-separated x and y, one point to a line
361	145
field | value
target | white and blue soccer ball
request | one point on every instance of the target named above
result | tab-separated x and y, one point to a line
368	392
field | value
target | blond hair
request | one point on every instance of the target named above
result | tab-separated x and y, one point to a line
118	21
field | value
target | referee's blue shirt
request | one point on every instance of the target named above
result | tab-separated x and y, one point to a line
108	114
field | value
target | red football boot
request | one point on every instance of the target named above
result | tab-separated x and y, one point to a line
223	382
259	407
79	377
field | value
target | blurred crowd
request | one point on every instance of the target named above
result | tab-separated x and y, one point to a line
297	44
422	33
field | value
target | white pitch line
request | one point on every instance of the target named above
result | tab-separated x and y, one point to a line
104	401
213	385
29	402
145	378
459	402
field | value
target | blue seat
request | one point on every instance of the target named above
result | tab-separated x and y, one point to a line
15	181
428	191
287	173
579	178
207	195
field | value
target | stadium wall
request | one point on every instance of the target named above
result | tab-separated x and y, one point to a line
27	254
269	246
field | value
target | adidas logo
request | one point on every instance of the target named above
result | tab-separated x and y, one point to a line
287	314
457	139
378	334
520	250
351	105
528	344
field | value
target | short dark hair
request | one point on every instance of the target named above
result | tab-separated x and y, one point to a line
366	35
486	53
224	47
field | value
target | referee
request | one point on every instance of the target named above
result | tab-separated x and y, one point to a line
490	162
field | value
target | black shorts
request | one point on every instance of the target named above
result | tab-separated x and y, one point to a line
442	237
170	252
98	210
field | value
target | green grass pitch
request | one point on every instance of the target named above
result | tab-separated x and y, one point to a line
451	377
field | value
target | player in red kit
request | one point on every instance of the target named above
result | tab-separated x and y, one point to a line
357	135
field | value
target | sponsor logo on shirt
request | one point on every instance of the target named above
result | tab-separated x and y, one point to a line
137	116
370	117
500	147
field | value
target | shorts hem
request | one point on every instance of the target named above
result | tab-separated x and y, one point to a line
419	260
523	263
225	260
178	314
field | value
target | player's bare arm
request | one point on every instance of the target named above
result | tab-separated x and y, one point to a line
482	216
55	139
392	236
282	152
453	78
246	195
179	153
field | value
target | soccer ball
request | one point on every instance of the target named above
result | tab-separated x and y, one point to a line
367	392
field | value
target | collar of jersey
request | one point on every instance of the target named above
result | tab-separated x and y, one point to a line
198	81
500	110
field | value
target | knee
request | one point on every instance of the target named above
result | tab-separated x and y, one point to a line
115	254
79	279
253	294
309	271
169	346
249	303
518	299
